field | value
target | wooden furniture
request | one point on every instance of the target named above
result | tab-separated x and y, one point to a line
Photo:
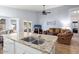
65	38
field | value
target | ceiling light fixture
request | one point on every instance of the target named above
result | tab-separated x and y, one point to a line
44	12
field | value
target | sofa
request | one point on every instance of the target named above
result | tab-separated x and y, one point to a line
65	38
54	31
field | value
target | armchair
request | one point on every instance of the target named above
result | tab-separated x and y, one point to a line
65	38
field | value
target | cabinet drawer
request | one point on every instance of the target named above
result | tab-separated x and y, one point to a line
8	49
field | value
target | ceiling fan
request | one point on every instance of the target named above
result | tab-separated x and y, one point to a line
44	12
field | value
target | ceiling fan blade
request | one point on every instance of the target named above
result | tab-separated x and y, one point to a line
48	12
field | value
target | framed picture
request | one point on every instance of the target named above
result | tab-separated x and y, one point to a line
51	22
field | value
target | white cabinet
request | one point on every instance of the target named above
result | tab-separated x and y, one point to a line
8	46
23	49
14	47
19	48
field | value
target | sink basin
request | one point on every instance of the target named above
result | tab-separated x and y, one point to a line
37	42
34	40
29	39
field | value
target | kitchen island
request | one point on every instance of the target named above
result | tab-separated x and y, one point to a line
14	45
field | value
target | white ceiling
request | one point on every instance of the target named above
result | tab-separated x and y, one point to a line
32	7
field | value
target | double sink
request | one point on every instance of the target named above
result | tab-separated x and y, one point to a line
34	40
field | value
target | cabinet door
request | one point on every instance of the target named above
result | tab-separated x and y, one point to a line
8	46
23	49
19	49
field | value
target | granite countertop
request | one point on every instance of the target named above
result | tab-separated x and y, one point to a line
45	47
